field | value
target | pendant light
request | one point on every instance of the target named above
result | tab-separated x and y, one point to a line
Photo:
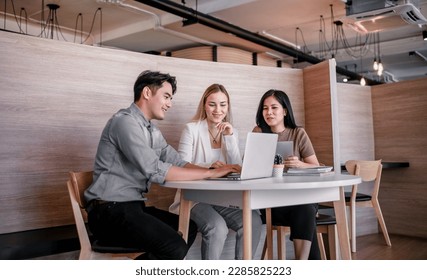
380	65
375	66
363	81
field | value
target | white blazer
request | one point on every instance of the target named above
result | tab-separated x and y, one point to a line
195	147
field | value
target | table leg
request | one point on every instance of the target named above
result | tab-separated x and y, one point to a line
341	217
247	226
184	216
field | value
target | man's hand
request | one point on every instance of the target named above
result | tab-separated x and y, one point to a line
224	170
194	172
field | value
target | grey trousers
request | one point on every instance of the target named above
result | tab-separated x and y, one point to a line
214	222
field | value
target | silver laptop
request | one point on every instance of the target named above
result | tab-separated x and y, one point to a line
258	158
285	148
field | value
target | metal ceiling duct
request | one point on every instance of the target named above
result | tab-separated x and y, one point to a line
376	15
218	24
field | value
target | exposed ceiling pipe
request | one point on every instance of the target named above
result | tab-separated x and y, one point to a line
420	55
218	24
275	38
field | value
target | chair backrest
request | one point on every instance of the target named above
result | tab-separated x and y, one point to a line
80	181
368	170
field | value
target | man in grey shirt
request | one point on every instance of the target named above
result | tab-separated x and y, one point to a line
132	154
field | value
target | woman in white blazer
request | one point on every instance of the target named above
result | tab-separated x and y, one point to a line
211	141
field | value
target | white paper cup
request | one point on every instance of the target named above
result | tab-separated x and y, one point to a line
278	170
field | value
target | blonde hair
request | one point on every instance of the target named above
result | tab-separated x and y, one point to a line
201	111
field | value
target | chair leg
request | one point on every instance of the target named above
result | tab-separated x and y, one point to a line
381	221
331	231
264	251
281	232
321	246
332	240
353	227
281	243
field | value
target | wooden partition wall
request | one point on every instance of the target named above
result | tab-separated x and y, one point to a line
56	97
321	112
356	132
356	137
400	127
338	116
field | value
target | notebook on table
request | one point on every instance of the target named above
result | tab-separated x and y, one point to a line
258	157
311	171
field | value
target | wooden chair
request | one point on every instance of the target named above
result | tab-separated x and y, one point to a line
77	184
369	171
326	224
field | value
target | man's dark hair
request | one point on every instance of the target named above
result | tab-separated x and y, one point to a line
153	80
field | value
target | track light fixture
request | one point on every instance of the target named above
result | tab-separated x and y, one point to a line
425	35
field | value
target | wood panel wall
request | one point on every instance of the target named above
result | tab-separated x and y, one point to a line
400	128
228	55
199	53
56	97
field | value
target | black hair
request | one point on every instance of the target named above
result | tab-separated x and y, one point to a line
283	99
154	80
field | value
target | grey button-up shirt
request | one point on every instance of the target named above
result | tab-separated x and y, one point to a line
132	153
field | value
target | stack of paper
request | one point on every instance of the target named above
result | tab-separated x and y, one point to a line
317	171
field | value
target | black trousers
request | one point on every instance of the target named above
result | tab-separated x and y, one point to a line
132	224
302	221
